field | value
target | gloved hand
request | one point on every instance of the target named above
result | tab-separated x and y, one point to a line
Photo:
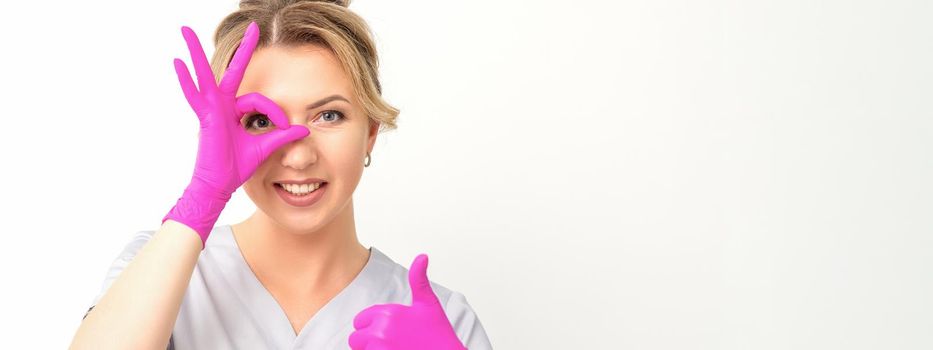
227	154
423	325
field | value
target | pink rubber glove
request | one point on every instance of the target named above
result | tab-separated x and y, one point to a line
227	154
423	325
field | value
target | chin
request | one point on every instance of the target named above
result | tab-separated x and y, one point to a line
302	219
299	228
299	219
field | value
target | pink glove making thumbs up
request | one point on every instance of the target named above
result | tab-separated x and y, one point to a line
423	325
227	154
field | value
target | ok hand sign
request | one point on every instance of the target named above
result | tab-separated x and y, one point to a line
227	154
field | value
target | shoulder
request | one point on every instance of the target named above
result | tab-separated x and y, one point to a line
398	278
465	322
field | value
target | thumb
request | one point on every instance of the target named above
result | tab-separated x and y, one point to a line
421	291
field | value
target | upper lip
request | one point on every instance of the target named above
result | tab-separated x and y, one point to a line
300	182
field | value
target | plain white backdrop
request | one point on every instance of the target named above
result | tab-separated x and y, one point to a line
599	174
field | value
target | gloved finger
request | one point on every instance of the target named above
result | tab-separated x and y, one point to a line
359	339
256	102
187	86
230	82
365	318
202	68
378	344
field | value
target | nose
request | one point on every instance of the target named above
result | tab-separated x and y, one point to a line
299	154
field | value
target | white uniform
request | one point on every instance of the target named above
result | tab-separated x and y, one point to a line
226	307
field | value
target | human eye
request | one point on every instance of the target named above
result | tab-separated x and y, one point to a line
337	116
251	124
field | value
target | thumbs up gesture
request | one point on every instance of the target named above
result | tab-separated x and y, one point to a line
423	325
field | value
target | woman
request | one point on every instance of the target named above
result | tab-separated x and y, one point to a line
293	129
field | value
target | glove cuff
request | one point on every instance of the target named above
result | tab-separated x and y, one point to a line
198	210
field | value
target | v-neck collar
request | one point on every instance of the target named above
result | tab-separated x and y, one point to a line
363	291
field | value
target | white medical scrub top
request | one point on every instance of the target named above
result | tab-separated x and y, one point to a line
226	307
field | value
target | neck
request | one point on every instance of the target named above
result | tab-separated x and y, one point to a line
302	262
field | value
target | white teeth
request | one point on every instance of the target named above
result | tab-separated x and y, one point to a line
301	189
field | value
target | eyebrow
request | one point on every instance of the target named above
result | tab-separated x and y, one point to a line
326	100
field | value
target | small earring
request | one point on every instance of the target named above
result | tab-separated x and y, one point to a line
368	160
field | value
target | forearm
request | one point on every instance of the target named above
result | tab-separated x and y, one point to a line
139	309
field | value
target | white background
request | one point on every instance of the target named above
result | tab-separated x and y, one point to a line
599	174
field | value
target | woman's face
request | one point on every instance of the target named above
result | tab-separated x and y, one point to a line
341	133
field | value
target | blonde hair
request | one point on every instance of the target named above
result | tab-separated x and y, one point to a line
298	22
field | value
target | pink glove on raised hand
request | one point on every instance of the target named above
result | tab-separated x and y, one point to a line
423	325
227	154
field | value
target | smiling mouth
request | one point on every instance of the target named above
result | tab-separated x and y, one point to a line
302	189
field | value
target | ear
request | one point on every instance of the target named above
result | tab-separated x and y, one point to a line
373	132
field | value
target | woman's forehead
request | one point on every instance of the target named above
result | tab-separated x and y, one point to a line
302	70
279	64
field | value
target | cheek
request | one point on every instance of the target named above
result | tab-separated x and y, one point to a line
250	186
343	146
342	158
255	182
343	161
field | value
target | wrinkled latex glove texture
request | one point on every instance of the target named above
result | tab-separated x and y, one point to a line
227	154
423	325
